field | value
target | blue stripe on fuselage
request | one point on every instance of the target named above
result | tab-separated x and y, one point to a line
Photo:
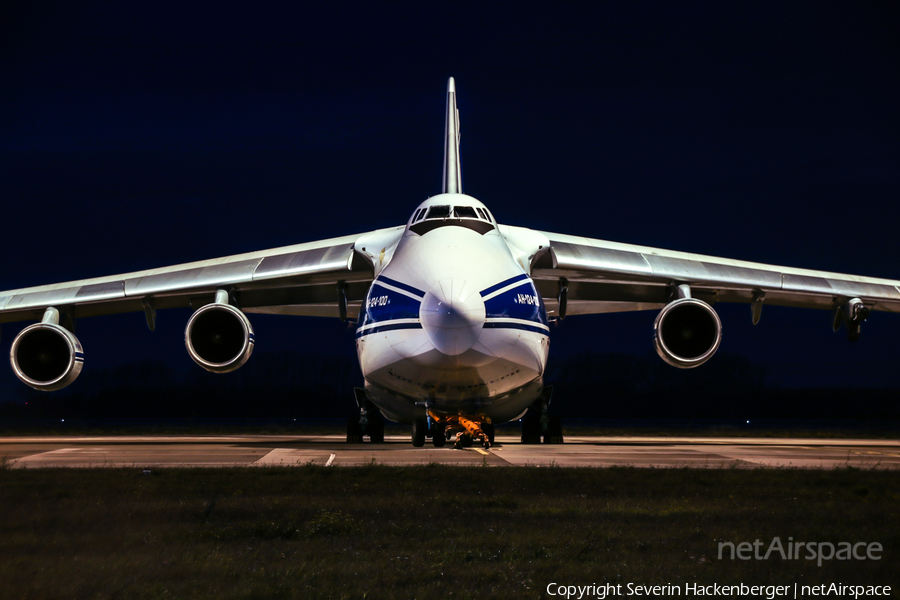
522	302
382	304
402	286
503	284
388	327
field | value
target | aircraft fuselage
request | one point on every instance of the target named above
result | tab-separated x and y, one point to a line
453	322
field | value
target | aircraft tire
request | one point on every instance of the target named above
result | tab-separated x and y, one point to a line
463	441
354	431
419	429
531	430
438	435
376	429
554	434
488	429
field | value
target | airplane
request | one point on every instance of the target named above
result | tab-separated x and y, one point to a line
452	309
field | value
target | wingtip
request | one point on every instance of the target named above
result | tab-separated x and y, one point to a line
451	86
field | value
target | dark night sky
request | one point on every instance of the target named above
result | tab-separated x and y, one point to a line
136	135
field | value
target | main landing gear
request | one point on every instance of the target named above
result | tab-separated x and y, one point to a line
537	424
369	422
468	429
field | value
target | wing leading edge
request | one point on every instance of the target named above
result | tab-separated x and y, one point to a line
302	279
602	276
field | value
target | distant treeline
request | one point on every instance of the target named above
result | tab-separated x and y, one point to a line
587	385
280	385
620	386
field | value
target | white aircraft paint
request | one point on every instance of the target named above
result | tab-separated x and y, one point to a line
452	309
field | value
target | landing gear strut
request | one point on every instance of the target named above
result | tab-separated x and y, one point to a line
468	428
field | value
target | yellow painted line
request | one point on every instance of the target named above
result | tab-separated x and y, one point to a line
480	451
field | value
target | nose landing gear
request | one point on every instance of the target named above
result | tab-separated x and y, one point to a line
468	428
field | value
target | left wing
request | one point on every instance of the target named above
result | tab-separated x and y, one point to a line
299	279
587	276
324	278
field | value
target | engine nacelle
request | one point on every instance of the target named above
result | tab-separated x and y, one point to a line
687	332
46	356
219	337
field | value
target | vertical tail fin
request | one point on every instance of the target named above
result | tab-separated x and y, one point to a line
452	183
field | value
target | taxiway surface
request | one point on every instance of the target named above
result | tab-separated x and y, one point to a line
331	450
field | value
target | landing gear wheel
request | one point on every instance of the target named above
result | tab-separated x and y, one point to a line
463	441
531	429
488	429
438	435
554	434
419	429
354	431
375	429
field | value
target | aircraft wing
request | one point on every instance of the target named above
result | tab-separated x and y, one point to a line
602	276
303	279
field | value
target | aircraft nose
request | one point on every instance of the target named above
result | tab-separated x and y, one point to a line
452	315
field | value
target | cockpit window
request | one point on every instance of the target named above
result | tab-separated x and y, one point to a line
439	212
474	218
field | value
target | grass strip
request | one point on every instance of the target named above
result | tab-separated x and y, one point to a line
430	531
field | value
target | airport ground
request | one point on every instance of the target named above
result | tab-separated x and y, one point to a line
331	450
144	515
868	428
426	531
187	516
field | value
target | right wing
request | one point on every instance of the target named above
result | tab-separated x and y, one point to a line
303	279
603	276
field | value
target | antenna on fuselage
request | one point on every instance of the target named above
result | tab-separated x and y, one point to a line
452	183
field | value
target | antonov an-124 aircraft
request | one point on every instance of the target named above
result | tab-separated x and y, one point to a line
452	309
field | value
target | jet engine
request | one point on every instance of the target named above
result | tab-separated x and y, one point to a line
46	356
687	332
219	337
